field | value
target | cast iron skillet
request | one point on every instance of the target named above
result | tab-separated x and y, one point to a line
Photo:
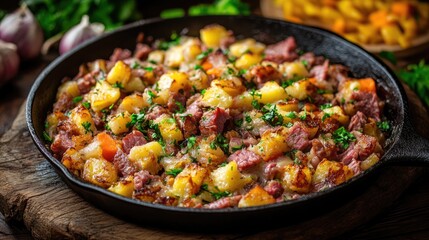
404	145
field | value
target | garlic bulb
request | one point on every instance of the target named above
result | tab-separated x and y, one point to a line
79	34
9	61
22	29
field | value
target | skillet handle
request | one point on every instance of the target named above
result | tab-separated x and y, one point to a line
411	149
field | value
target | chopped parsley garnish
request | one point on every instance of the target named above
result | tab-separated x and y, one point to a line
174	172
118	85
291	115
191	142
149	69
343	138
47	137
216	195
174	41
135	65
325	106
255	103
87	127
271	116
204	54
303	116
242	72
383	126
77	99
180	106
236	148
222	142
198	67
137	120
248	119
152	95
87	105
305	63
325	116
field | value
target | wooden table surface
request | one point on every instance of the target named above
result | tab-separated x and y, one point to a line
406	218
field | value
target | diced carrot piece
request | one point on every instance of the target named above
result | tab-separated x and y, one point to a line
367	85
207	65
108	146
379	18
402	9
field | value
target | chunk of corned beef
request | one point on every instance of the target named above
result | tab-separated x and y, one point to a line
245	159
262	74
311	59
298	137
282	51
364	146
120	54
123	164
64	102
155	112
142	51
187	124
85	83
141	178
225	202
132	139
213	122
367	103
357	122
274	188
62	141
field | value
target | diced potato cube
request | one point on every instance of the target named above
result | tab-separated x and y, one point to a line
247	60
119	74
151	96
272	144
69	87
249	44
198	79
73	161
92	150
174	56
290	106
299	89
103	95
293	69
145	157
99	172
369	161
271	92
243	101
216	97
81	117
118	124
135	84
124	187
191	49
337	113
257	196
297	178
206	154
173	81
212	35
232	86
168	127
132	103
189	181
228	178
169	163
331	173
156	56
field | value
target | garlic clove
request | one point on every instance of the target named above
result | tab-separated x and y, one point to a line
9	61
79	34
22	29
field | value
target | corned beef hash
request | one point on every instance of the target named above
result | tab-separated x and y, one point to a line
216	122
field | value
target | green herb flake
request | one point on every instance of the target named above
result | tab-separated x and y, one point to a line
47	137
149	69
389	56
174	172
86	105
384	126
343	138
77	99
325	106
118	85
271	116
204	54
87	127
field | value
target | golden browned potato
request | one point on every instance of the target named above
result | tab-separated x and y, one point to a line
99	172
297	178
120	74
331	173
145	157
124	187
257	196
189	181
228	177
